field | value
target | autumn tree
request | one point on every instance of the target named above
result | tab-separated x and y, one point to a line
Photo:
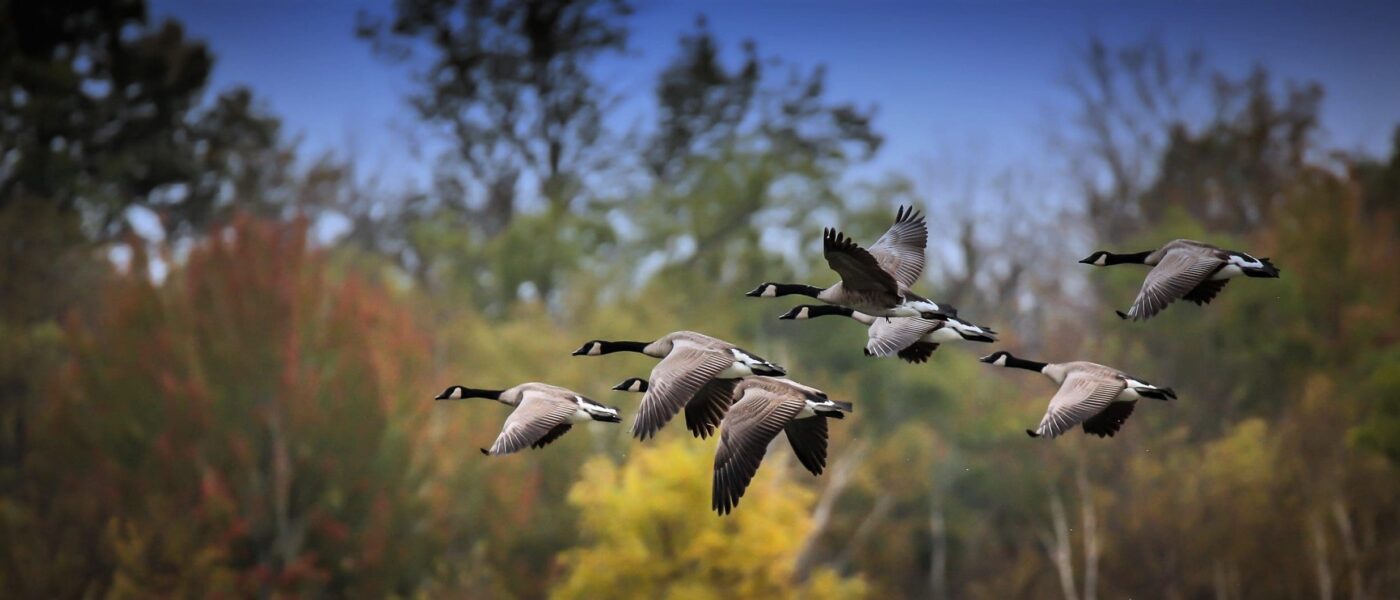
240	429
670	545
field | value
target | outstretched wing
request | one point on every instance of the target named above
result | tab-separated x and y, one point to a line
1179	272
889	336
705	411
1081	397
1110	420
808	440
753	422
901	249
537	417
859	270
673	382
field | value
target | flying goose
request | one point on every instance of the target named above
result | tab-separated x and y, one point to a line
1099	397
762	407
1188	269
542	413
912	339
689	362
876	281
703	412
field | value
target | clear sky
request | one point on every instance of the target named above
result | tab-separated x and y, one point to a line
969	83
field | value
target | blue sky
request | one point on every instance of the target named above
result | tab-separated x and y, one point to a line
975	85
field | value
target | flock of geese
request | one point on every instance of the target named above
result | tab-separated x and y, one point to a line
747	398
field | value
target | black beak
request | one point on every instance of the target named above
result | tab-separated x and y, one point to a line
756	292
582	349
788	316
621	387
1087	261
989	359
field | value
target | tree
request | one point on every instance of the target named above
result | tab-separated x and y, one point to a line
255	398
672	546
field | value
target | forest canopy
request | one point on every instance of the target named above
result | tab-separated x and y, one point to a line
242	406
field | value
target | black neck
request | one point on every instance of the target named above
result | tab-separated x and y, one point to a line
828	310
1021	363
789	289
1135	258
611	347
461	393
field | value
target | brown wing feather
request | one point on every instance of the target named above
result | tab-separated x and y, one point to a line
1080	398
1206	291
808	440
705	411
1179	272
673	382
901	249
1107	422
753	422
888	337
859	270
536	417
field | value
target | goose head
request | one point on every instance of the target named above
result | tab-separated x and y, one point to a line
997	358
1099	259
632	384
764	290
590	348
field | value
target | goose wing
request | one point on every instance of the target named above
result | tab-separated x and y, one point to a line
1110	420
1180	271
539	416
808	440
859	270
888	337
1082	396
705	411
674	382
753	422
901	249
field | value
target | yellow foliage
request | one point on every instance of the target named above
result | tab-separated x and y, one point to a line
648	532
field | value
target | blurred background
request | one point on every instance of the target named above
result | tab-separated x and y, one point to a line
243	243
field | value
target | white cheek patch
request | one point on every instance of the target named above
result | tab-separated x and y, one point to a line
595	349
636	386
1135	383
802	314
1102	261
770	291
456	393
1000	361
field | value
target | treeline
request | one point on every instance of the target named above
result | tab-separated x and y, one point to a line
240	408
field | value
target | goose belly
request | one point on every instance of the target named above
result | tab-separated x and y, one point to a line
1227	272
735	371
580	416
941	335
1128	395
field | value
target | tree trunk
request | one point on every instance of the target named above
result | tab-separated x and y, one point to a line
841	474
1058	547
1091	536
938	559
1324	572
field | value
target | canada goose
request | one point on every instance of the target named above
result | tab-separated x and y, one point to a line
543	413
912	339
1099	397
703	412
877	281
1186	269
689	361
763	406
